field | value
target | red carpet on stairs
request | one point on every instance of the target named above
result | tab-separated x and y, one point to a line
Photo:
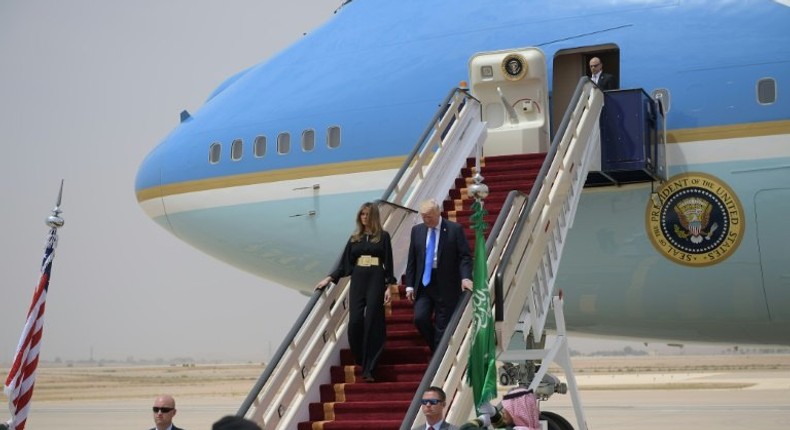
502	174
348	402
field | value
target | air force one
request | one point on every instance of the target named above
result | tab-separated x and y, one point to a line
268	174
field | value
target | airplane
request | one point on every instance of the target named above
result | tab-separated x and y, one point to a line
268	173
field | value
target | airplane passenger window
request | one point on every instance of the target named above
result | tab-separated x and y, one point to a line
236	150
259	149
214	152
333	137
308	140
283	143
766	91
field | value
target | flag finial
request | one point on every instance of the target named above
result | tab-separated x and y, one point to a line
478	190
55	220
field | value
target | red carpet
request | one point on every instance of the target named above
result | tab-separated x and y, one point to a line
348	402
501	174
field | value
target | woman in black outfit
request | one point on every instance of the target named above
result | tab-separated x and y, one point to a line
368	260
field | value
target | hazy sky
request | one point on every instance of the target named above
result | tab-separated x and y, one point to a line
87	89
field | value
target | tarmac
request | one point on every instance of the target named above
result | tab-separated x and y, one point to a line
720	399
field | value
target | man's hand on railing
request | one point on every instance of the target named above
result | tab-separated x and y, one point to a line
467	284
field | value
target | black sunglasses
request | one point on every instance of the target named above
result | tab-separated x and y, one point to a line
157	409
430	401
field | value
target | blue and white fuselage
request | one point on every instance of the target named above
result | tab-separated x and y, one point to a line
324	125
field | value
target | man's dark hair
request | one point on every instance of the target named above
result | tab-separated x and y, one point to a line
439	391
232	422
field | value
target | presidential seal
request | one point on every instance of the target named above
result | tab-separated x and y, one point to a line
699	221
514	67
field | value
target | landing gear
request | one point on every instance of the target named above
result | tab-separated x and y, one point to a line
536	358
555	421
511	374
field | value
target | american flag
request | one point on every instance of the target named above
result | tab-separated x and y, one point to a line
22	376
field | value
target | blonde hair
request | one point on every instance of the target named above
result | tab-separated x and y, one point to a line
430	206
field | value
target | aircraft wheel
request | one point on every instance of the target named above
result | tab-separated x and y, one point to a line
555	421
504	379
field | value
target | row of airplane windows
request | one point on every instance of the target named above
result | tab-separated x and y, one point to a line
283	145
766	94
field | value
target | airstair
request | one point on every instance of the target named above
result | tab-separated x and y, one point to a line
524	247
294	383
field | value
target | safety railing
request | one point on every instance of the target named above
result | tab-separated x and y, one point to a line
533	256
290	380
447	368
454	134
509	247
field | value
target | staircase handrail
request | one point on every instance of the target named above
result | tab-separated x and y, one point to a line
567	159
322	321
454	134
533	194
280	353
457	339
303	358
420	142
499	248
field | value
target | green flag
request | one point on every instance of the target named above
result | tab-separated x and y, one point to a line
481	372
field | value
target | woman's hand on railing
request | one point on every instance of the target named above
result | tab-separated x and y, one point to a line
323	283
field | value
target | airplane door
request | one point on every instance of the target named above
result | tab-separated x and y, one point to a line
512	88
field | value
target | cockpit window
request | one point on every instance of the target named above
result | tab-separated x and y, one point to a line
214	152
259	149
308	140
333	137
236	150
283	143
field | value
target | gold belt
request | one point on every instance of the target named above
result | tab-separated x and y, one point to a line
367	261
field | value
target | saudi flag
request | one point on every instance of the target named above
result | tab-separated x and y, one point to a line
481	373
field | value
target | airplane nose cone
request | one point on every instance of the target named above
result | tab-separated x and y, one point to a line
148	186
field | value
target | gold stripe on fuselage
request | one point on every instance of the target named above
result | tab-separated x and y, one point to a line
328	169
736	131
684	135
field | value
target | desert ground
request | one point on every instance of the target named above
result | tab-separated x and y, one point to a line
657	392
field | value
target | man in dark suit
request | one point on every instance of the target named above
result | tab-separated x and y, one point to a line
605	81
439	268
434	400
164	411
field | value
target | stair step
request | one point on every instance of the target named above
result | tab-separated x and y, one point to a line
352	404
359	392
359	411
393	355
354	425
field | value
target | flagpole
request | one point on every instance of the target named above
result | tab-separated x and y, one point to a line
481	372
22	374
